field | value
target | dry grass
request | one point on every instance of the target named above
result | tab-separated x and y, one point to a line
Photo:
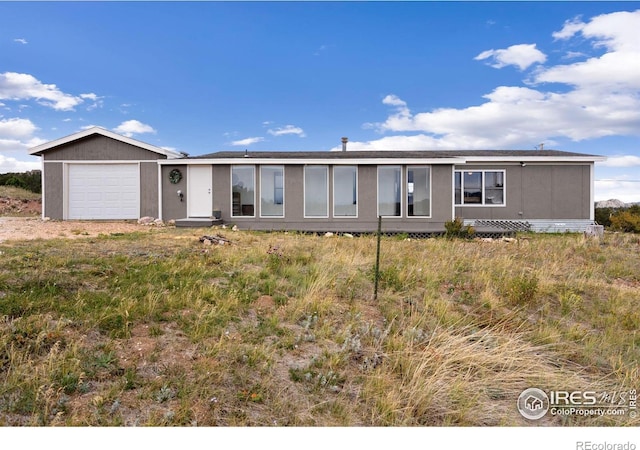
282	329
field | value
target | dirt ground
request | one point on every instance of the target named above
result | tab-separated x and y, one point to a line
24	228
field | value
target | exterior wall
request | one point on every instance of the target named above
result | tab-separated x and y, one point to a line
99	148
53	187
366	221
149	189
537	191
172	207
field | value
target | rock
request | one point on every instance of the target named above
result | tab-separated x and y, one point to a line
349	235
171	223
234	228
146	220
510	240
158	222
46	219
328	234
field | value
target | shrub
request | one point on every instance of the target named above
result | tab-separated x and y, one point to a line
456	228
626	221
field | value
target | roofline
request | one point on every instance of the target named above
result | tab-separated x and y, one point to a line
568	158
331	161
40	149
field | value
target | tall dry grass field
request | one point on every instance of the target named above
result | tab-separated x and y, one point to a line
278	329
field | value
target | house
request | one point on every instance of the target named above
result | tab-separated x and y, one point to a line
97	174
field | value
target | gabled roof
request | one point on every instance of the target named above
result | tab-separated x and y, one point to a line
40	149
393	156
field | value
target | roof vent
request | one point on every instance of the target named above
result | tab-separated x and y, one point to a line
344	143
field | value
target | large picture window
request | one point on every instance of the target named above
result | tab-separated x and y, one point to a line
479	187
418	191
316	191
389	191
243	193
345	191
272	191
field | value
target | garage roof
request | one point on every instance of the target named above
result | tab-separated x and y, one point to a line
40	149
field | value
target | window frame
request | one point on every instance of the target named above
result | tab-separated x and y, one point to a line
483	188
253	169
275	189
356	192
304	191
401	191
409	167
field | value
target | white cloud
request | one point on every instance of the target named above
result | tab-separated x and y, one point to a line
16	128
621	161
287	129
569	29
521	55
22	86
601	97
247	141
626	190
20	41
131	127
13	165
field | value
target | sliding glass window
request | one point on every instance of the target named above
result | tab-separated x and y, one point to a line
272	191
418	191
243	193
316	191
345	191
389	191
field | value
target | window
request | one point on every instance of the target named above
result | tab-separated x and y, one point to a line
345	191
479	187
418	191
316	191
272	191
243	191
389	191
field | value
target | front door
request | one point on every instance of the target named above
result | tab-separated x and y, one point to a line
199	199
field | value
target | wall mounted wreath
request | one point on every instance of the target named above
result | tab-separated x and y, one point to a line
175	176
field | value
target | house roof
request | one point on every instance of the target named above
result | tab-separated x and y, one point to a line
382	156
40	149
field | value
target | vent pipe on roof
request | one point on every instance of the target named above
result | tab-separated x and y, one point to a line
344	144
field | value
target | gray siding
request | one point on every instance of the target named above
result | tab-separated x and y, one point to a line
148	189
99	148
54	191
537	191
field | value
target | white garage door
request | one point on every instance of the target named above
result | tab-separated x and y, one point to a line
103	191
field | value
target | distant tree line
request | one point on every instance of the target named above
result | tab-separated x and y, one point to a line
31	181
620	219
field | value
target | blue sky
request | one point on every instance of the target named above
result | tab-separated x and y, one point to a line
200	77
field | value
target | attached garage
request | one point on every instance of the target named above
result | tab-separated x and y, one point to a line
100	175
103	191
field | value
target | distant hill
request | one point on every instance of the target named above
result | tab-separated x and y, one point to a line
614	203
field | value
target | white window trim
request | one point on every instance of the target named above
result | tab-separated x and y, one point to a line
483	204
254	192
283	192
430	191
401	192
334	195
304	191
